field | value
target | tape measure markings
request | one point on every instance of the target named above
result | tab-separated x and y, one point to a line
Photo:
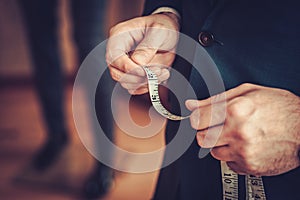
154	96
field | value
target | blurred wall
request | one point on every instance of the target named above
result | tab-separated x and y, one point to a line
14	55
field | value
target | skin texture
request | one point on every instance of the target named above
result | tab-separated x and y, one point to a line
255	129
135	42
260	133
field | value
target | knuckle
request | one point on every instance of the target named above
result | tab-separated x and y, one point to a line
244	133
113	29
241	107
114	76
233	109
199	137
116	28
132	92
245	153
126	67
246	86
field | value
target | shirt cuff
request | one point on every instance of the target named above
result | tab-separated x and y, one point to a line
166	9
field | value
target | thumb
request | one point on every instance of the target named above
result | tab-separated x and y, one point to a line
153	40
143	54
192	104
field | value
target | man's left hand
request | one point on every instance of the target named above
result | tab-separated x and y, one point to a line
255	129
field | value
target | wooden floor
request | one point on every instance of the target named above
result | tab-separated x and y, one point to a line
22	134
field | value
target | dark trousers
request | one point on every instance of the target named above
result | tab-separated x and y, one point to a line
42	26
42	23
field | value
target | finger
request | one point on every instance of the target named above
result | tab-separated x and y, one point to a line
192	104
138	91
133	82
143	56
123	40
155	39
212	137
236	168
223	153
163	59
165	74
130	86
118	75
126	65
222	97
208	116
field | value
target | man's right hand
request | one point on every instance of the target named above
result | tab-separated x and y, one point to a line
149	40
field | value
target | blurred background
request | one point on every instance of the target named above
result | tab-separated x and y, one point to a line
24	126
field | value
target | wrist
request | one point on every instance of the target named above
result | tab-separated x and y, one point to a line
174	18
171	13
167	10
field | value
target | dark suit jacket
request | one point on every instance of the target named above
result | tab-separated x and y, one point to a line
261	45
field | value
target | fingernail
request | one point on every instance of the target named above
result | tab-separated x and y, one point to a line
191	104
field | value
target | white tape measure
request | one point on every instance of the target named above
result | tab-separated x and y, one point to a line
154	96
254	185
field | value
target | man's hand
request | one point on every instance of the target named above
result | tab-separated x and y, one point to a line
260	134
150	41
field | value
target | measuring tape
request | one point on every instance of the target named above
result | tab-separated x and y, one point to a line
254	185
154	96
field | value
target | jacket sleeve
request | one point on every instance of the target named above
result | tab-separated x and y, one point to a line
152	5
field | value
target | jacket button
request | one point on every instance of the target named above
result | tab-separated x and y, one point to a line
206	39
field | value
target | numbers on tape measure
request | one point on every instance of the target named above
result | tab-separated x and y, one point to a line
229	182
254	185
255	188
